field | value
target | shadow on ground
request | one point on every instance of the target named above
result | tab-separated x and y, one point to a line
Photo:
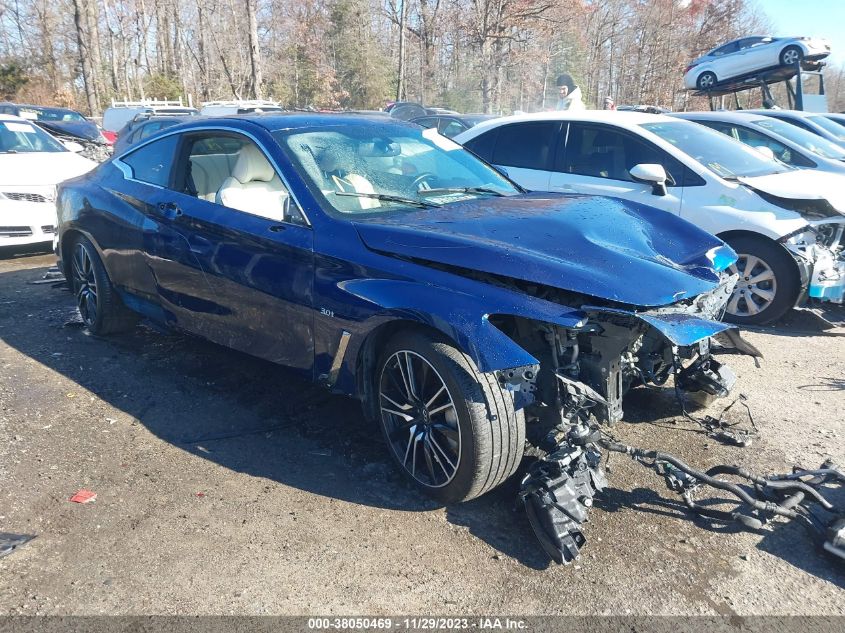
254	417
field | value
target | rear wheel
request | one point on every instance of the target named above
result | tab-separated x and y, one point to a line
791	55
452	430
706	80
100	307
768	283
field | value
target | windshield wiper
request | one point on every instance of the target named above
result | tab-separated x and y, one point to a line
492	192
385	197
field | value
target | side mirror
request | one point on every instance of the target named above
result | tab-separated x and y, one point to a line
73	146
765	151
650	173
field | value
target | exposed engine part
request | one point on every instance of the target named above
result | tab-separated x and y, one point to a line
708	375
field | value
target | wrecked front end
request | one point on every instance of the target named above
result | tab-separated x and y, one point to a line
613	349
578	387
819	250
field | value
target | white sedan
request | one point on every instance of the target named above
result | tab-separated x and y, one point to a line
32	163
750	55
785	224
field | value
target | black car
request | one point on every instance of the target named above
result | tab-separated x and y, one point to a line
135	131
451	125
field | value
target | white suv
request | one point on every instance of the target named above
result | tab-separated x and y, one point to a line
786	224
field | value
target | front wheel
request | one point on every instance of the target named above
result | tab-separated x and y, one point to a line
452	430
100	307
768	283
791	55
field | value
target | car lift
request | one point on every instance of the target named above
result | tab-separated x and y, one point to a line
762	80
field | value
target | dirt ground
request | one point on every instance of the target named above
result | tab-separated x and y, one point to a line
227	486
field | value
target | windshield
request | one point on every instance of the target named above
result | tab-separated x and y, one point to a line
374	168
834	128
719	153
56	114
802	137
18	137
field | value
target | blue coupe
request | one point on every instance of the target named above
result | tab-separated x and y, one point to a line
386	262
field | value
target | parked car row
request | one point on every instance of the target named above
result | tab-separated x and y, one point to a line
786	224
473	294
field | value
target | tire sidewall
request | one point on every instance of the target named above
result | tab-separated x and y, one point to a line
431	350
786	274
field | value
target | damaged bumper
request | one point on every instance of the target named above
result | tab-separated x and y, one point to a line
820	253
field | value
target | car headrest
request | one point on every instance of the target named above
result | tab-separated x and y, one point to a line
252	166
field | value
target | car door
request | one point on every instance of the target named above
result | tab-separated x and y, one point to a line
595	159
525	151
239	273
727	61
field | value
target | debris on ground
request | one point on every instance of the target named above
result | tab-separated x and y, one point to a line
84	496
10	542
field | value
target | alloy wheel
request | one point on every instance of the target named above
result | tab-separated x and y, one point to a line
756	288
85	284
791	56
420	419
706	81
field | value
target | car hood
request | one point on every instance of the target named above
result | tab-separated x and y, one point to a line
602	247
79	129
41	168
802	184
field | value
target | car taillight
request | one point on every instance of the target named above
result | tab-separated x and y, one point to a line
689	68
109	137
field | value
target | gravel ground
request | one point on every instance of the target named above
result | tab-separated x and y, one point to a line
227	486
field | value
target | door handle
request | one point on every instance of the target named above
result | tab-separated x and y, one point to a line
276	228
170	210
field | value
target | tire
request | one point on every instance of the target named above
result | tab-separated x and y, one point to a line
706	81
98	303
791	55
777	284
457	423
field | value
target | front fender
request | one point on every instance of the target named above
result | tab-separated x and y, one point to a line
461	316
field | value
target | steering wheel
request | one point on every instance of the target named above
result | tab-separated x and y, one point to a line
424	177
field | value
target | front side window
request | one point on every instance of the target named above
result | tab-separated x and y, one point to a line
525	145
602	152
232	171
152	163
21	137
375	168
723	156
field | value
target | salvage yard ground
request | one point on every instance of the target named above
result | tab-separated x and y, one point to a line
227	486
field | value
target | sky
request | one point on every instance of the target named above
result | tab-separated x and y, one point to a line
811	18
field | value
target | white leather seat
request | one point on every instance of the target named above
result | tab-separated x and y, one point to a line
342	181
253	187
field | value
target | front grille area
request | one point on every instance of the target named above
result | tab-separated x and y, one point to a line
25	197
15	231
48	229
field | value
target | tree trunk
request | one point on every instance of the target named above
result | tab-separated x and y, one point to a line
82	42
400	84
254	53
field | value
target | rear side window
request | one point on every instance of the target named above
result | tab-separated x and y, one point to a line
483	144
153	163
525	145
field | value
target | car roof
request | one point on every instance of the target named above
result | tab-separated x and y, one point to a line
781	112
12	117
745	116
622	119
273	121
